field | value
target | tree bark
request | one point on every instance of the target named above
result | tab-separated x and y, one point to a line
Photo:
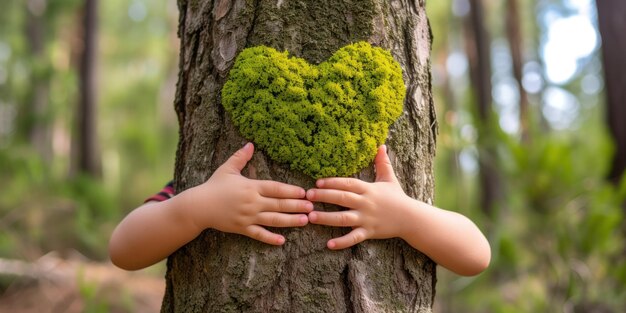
612	22
219	272
87	150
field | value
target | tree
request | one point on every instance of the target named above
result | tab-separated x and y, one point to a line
514	36
87	153
38	106
478	52
611	23
220	272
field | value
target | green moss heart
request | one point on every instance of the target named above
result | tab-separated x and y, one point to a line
324	120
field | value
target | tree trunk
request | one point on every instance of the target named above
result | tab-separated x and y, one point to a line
38	107
612	22
87	152
514	36
219	272
478	52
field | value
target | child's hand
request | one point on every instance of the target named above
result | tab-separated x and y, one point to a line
232	203
382	210
376	209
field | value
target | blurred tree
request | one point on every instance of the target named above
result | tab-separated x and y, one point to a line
478	52
612	23
514	35
37	110
86	143
220	272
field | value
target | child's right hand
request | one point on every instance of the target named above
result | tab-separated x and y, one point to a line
232	203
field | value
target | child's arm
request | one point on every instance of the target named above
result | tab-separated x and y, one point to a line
382	210
227	202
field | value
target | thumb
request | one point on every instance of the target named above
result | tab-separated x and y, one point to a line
239	160
384	170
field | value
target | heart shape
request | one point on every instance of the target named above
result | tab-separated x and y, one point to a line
325	120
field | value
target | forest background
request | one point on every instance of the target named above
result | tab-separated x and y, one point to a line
88	131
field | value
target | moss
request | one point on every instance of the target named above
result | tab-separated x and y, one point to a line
324	120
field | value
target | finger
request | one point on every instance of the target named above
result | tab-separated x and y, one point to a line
286	205
274	219
339	197
273	189
261	234
341	183
384	170
354	237
240	158
338	219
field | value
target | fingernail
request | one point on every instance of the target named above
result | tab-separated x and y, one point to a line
312	217
247	145
280	240
310	194
320	183
384	148
304	220
308	206
331	244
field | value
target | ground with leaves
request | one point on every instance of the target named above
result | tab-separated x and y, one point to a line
75	284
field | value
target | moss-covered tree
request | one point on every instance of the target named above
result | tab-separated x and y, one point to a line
221	272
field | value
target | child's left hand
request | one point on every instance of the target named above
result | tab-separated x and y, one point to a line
377	210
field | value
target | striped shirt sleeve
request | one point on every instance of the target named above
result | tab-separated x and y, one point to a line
165	193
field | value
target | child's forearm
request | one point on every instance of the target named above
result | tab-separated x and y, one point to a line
151	233
448	238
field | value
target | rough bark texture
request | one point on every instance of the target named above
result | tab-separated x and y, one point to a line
612	22
220	272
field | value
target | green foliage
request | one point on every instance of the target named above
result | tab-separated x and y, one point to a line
43	207
325	120
89	294
41	212
557	235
